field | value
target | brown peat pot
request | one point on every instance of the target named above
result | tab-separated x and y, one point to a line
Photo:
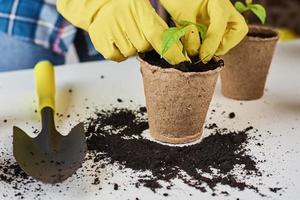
177	102
247	65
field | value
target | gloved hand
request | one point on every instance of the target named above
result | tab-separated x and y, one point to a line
120	28
226	27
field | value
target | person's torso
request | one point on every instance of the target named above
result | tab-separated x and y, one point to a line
36	21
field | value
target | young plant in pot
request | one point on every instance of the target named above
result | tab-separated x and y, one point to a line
247	64
178	96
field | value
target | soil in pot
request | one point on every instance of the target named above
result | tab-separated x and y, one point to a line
177	96
247	64
195	66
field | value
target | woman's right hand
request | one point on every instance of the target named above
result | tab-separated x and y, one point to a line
120	28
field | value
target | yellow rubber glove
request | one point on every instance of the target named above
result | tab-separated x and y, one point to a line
120	28
226	27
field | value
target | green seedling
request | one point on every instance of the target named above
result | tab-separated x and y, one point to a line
173	35
257	9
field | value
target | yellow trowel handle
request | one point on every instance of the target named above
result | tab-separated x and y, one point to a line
45	84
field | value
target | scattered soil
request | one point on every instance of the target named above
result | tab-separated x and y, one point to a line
195	66
119	100
5	121
12	174
115	136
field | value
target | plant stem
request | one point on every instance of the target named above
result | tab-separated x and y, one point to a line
200	60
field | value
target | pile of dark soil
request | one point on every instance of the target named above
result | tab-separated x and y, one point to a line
195	66
116	137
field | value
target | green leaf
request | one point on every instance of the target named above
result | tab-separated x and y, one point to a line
170	37
241	7
259	11
202	29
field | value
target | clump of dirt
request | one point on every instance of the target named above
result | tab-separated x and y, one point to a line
231	115
275	189
116	186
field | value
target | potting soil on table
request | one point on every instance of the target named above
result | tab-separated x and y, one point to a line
116	137
123	143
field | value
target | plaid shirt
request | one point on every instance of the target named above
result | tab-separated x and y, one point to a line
39	22
36	21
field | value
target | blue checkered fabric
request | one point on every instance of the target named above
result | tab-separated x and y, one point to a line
36	21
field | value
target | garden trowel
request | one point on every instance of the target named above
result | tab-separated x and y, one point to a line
49	157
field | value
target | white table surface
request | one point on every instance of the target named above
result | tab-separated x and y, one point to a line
278	112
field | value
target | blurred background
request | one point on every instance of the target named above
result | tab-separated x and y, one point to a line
281	13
